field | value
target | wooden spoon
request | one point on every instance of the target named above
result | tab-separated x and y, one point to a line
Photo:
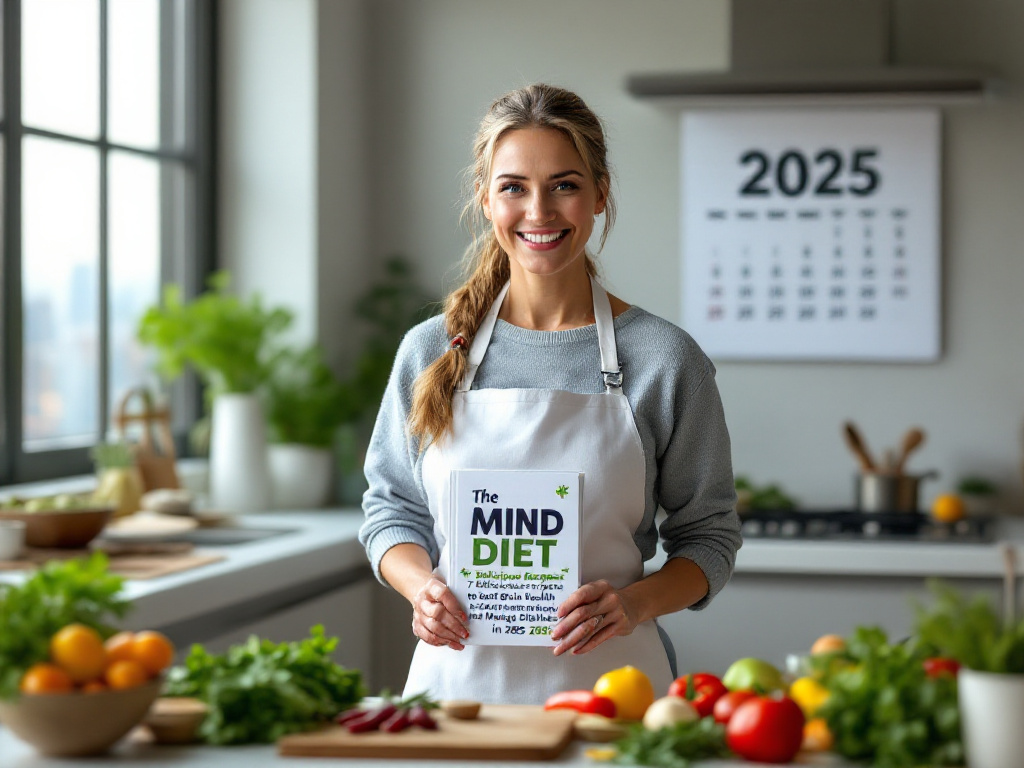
911	440
856	444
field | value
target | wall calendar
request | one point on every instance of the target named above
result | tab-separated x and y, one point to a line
812	234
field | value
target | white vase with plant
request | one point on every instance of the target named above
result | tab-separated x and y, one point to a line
990	651
306	403
230	344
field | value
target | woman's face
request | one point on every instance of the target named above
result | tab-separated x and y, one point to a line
541	200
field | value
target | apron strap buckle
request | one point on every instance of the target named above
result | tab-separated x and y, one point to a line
612	379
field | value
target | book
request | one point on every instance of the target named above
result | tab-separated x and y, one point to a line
514	551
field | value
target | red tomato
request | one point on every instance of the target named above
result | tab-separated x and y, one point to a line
768	729
941	665
726	705
707	689
586	702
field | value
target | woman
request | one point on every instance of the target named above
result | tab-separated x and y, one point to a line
534	366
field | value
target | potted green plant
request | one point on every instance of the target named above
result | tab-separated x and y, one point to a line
391	306
229	343
979	495
306	403
990	651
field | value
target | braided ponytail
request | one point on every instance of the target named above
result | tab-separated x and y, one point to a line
486	265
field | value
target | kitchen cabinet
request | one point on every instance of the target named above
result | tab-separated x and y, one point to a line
345	613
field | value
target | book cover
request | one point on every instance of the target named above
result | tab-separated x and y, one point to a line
514	549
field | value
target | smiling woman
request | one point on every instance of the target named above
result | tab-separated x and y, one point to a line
535	366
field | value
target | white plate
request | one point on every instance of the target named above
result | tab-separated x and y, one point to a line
148	526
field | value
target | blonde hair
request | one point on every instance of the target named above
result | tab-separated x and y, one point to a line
485	264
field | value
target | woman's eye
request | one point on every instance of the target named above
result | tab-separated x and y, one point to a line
564	185
511	186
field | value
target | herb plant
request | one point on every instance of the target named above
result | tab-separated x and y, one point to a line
673	747
884	709
61	593
306	402
971	632
259	690
226	340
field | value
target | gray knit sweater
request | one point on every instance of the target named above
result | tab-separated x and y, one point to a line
670	385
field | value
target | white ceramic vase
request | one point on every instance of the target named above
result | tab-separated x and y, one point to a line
301	475
990	711
239	476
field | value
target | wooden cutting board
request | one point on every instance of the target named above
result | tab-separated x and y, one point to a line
502	732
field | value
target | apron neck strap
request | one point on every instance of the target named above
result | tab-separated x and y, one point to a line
605	338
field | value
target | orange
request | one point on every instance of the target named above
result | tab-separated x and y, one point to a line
79	651
817	736
119	646
125	674
828	644
153	651
93	686
45	678
629	688
948	508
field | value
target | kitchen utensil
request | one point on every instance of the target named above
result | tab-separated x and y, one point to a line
502	732
911	441
885	492
856	443
77	724
1009	586
154	457
12	538
60	529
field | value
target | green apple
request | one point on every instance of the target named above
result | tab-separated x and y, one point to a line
753	675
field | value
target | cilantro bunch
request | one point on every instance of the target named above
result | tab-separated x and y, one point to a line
259	690
79	591
884	709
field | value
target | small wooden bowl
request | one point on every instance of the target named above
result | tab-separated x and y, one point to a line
175	719
77	724
60	529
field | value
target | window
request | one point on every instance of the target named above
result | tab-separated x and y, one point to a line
107	137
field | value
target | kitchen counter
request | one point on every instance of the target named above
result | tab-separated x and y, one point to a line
15	754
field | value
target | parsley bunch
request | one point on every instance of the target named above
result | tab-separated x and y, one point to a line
672	747
61	593
883	708
259	690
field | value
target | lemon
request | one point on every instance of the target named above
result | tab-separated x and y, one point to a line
809	694
948	508
629	688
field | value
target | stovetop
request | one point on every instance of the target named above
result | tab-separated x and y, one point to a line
850	525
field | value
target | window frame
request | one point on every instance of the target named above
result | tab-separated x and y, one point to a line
198	156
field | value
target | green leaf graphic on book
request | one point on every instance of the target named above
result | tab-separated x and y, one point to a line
464	572
562	491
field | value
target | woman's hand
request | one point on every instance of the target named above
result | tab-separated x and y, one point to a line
592	614
437	617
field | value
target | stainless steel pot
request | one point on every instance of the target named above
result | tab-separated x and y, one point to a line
880	492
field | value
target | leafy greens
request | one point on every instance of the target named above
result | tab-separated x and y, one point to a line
259	690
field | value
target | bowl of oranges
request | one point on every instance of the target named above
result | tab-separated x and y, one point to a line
90	692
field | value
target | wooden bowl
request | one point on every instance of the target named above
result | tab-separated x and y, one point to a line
77	724
175	719
60	529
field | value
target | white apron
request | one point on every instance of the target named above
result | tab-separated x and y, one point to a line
546	429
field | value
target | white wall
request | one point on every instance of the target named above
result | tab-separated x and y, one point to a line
435	66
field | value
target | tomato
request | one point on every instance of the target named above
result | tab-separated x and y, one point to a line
586	702
768	729
707	689
728	703
938	666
